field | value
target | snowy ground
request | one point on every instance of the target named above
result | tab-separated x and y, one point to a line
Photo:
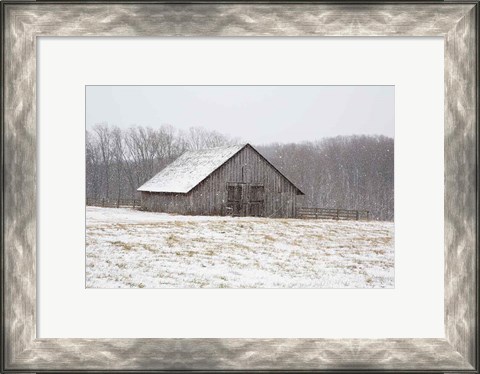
127	248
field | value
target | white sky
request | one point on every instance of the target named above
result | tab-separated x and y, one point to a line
256	114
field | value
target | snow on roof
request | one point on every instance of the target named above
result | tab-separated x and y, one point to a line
190	169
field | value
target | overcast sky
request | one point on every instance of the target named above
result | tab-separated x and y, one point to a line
256	114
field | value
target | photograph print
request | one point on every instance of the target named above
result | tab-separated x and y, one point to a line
239	186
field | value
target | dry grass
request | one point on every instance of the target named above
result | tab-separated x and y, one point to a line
172	240
129	248
122	245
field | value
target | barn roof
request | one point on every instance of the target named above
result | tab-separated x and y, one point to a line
191	168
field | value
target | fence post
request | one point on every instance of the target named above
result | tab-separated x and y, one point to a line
103	201
338	214
133	203
357	214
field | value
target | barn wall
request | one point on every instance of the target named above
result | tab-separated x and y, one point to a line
210	196
166	202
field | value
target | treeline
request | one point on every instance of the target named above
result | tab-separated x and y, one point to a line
348	172
119	161
352	172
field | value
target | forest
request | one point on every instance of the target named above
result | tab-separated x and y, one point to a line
346	172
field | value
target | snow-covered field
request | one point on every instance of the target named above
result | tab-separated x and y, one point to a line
127	248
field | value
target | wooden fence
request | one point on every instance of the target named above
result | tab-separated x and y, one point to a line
114	203
308	213
338	214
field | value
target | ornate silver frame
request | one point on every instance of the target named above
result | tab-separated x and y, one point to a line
23	22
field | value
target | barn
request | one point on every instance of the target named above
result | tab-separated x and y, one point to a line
234	180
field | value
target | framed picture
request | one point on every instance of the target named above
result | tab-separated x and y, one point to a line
159	197
253	186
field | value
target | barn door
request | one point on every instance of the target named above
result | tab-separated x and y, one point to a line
235	193
256	200
245	199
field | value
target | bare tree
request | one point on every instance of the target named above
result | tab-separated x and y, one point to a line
102	132
92	177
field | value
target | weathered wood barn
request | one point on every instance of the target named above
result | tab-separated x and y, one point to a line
234	180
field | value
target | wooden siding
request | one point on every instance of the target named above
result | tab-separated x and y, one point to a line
210	196
167	202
